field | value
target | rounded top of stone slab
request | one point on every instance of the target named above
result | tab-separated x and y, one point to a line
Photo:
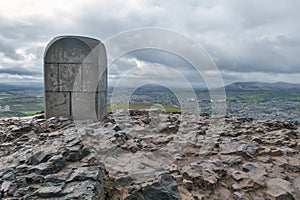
69	49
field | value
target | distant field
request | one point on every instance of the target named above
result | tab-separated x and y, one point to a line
258	97
273	104
140	105
21	102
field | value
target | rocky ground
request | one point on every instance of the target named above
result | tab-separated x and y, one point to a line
148	155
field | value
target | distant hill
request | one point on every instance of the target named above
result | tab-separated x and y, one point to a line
261	86
237	86
14	86
144	88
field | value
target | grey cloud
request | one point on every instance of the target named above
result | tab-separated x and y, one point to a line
127	68
19	71
8	49
241	36
258	13
36	30
232	76
264	55
162	57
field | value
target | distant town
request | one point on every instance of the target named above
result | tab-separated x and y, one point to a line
5	108
258	101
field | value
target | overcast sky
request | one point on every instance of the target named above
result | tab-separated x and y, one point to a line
254	40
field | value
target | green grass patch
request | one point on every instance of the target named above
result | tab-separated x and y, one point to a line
33	112
264	96
142	106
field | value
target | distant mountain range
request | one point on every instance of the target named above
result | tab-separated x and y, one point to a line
237	86
261	86
17	86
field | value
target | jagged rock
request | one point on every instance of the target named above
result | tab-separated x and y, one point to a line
162	140
23	193
85	173
164	187
223	193
42	169
58	161
123	180
187	184
196	195
8	189
280	161
206	174
50	192
232	160
53	158
84	190
38	157
178	179
239	196
174	168
279	189
257	139
60	177
117	128
231	134
248	150
253	176
6	185
276	152
249	167
34	178
120	138
293	164
75	153
21	181
239	175
9	175
229	148
296	185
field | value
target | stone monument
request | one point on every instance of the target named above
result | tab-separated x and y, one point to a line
75	78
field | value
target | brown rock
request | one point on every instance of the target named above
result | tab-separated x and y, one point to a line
276	152
239	196
280	161
239	175
187	184
279	189
293	164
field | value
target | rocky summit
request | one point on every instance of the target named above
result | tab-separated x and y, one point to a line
149	154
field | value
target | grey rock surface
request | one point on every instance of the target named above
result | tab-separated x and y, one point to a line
130	158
